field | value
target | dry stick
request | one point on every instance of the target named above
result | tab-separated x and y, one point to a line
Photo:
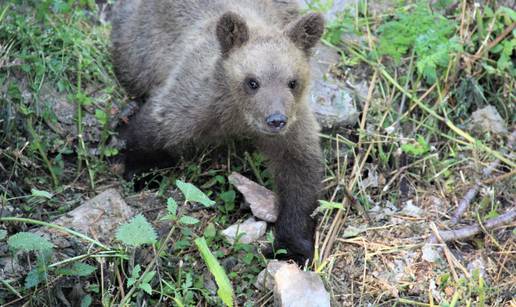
499	178
472	230
446	252
354	202
495	42
472	193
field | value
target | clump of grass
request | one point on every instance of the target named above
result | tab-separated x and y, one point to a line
52	44
431	68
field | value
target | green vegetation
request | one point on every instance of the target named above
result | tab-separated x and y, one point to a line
428	69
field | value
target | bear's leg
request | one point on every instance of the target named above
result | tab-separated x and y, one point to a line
296	163
145	144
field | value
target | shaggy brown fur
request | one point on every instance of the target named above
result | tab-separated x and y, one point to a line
213	70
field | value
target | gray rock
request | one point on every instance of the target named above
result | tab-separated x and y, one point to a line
265	280
261	200
249	231
374	7
99	218
330	101
296	288
487	120
338	6
412	210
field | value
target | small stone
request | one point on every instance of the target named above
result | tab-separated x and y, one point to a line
296	288
248	232
430	253
265	280
352	231
477	265
487	120
262	201
411	210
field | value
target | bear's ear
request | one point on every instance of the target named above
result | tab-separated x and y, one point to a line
232	32
306	31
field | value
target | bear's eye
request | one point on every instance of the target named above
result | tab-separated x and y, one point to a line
292	84
253	84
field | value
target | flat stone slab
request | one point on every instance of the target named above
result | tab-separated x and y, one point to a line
262	201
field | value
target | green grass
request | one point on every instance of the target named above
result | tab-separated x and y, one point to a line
429	69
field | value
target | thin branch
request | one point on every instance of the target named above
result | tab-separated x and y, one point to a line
472	193
469	231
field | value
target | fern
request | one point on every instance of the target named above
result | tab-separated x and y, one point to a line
137	232
431	36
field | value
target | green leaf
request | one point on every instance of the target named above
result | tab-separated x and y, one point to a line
210	232
137	232
135	274
225	291
3	234
147	288
192	193
416	149
330	205
86	301
101	116
148	277
188	220
27	242
34	278
172	207
39	193
78	269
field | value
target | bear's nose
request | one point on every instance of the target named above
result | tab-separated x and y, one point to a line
276	121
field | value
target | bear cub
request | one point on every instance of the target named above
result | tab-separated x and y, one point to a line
214	70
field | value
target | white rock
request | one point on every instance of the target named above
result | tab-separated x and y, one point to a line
295	288
249	231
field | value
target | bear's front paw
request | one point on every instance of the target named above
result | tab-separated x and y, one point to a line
297	249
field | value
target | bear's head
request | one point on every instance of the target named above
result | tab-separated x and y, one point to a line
268	74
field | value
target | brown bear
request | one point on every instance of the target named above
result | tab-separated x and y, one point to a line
214	70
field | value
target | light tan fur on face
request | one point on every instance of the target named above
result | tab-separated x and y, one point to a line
273	62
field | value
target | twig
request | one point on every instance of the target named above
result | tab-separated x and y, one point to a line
354	202
447	253
472	193
472	230
464	204
495	42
